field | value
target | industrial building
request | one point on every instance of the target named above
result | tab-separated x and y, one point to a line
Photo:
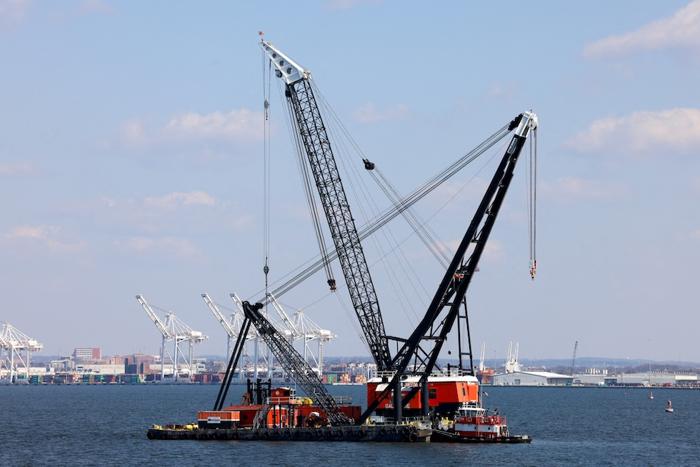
655	379
532	378
514	375
87	354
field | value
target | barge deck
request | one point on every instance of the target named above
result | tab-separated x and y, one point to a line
374	433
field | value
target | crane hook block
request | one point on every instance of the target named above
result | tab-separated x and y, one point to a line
331	284
368	164
533	270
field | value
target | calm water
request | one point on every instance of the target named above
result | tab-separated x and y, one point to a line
91	425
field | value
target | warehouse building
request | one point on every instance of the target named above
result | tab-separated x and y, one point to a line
531	378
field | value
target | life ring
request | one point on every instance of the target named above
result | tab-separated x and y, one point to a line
412	437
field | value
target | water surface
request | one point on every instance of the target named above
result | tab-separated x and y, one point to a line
91	425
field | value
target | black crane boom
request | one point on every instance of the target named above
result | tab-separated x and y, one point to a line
425	343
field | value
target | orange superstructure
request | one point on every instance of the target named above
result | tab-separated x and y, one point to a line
445	394
280	408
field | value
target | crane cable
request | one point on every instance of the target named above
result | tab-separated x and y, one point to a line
314	264
266	79
310	198
407	281
532	204
430	242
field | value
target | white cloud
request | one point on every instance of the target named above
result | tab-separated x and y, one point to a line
642	132
369	113
494	251
566	188
348	4
695	234
239	125
134	132
177	246
46	235
234	125
177	199
18	168
12	11
681	30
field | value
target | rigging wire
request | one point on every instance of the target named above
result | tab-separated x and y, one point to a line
435	247
310	198
266	78
388	215
357	182
430	242
532	204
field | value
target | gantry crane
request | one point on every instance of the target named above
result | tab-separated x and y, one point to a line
18	348
175	330
231	326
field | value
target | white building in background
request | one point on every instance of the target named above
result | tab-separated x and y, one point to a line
514	375
531	378
656	379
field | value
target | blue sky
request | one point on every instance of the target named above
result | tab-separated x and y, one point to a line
130	162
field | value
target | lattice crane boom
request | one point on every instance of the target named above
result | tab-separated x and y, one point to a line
295	365
313	135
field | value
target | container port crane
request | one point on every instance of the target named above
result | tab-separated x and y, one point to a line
17	348
300	328
173	330
231	325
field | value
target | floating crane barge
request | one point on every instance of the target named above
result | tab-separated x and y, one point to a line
412	399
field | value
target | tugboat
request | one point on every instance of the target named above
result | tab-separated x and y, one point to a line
474	424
